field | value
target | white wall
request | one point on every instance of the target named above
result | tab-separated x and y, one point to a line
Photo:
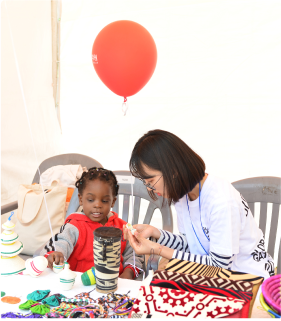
30	23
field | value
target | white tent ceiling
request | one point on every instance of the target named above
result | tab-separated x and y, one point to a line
216	85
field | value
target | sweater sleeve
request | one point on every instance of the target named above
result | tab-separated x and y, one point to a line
182	252
173	241
65	241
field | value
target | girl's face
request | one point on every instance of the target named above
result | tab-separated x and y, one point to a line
97	200
156	181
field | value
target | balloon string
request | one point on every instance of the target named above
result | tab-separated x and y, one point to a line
28	121
125	106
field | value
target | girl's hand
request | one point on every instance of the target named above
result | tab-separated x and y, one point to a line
56	257
140	244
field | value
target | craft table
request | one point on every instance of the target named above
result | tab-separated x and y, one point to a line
21	285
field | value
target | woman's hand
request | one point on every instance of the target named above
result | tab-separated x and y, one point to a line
140	244
144	230
56	257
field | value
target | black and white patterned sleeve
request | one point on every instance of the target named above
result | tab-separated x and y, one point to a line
65	241
182	252
213	259
173	241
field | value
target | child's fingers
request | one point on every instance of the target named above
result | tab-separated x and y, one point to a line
58	257
61	260
50	259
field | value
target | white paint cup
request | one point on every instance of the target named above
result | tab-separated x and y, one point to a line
57	268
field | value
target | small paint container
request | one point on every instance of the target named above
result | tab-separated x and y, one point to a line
57	268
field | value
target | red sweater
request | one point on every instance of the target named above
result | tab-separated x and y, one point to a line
82	257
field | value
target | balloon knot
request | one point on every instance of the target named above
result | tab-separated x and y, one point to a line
125	99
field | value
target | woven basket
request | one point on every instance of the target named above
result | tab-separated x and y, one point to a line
267	308
271	290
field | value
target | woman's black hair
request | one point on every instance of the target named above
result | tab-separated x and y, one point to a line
98	173
181	167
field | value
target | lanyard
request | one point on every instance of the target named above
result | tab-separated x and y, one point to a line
200	219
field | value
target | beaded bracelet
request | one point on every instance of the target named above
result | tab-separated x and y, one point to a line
123	311
160	248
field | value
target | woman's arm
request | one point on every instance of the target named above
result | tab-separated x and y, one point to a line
213	259
144	246
173	241
182	252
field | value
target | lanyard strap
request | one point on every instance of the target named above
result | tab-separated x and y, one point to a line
200	219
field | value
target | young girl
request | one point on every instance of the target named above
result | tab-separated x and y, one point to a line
97	191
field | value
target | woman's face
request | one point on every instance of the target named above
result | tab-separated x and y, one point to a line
156	180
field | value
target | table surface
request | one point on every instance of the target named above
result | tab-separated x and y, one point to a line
21	285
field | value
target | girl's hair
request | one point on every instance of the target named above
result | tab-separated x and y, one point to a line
181	167
98	173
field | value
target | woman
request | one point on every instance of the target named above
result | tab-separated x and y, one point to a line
214	220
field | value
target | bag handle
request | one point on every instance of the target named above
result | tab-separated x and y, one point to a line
21	202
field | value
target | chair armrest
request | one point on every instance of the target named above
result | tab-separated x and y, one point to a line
9	207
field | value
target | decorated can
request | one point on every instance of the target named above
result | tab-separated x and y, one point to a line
107	252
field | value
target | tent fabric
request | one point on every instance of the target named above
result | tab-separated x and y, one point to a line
56	10
30	23
216	84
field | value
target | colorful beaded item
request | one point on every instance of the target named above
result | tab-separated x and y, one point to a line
124	307
92	311
20	315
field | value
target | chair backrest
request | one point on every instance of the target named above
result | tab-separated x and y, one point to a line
264	190
139	192
66	159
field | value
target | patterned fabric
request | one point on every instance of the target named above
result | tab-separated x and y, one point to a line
187	267
204	280
160	302
188	287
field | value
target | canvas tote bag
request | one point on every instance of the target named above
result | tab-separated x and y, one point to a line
32	219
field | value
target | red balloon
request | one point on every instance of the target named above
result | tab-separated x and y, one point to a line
124	56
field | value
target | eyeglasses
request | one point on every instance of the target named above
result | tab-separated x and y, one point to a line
149	186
